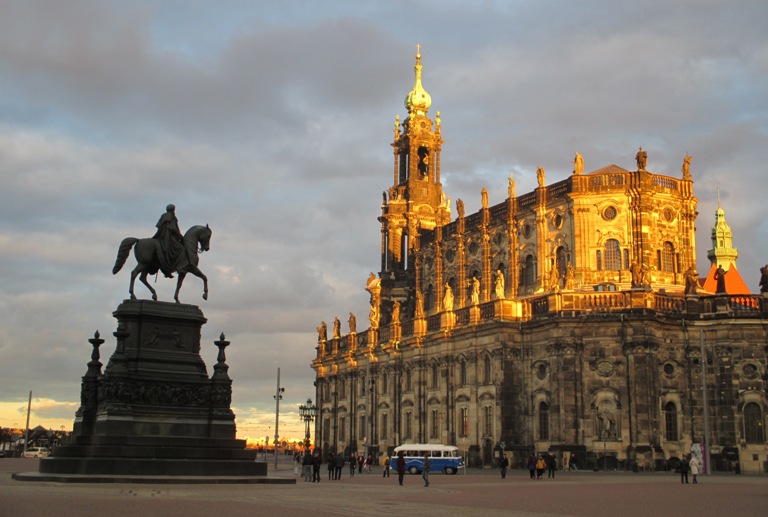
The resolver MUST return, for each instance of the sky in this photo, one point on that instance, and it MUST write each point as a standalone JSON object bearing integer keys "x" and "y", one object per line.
{"x": 272, "y": 121}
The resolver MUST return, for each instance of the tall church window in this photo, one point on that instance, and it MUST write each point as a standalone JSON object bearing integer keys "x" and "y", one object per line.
{"x": 667, "y": 258}
{"x": 408, "y": 425}
{"x": 487, "y": 370}
{"x": 408, "y": 381}
{"x": 462, "y": 373}
{"x": 612, "y": 255}
{"x": 599, "y": 260}
{"x": 384, "y": 383}
{"x": 429, "y": 298}
{"x": 342, "y": 428}
{"x": 435, "y": 376}
{"x": 488, "y": 420}
{"x": 528, "y": 273}
{"x": 327, "y": 428}
{"x": 543, "y": 421}
{"x": 464, "y": 423}
{"x": 342, "y": 389}
{"x": 384, "y": 424}
{"x": 670, "y": 422}
{"x": 753, "y": 424}
{"x": 435, "y": 427}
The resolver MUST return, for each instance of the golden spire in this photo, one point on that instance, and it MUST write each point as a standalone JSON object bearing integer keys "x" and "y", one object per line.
{"x": 418, "y": 101}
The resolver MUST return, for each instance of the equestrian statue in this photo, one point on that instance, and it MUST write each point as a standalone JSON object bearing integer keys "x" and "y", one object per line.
{"x": 168, "y": 252}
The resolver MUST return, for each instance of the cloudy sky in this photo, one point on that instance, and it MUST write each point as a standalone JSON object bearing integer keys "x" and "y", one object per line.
{"x": 271, "y": 121}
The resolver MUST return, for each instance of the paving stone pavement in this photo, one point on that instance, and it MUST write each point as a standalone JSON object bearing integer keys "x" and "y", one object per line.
{"x": 478, "y": 493}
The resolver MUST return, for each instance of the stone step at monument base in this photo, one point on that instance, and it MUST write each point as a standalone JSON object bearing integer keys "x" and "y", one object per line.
{"x": 154, "y": 480}
{"x": 119, "y": 466}
{"x": 154, "y": 456}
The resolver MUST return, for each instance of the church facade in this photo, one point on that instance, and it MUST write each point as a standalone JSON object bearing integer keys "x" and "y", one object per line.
{"x": 567, "y": 320}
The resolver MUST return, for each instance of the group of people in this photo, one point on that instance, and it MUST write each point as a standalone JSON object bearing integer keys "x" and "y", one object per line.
{"x": 311, "y": 464}
{"x": 689, "y": 464}
{"x": 538, "y": 464}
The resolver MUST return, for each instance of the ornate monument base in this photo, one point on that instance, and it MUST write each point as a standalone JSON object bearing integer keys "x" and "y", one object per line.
{"x": 154, "y": 411}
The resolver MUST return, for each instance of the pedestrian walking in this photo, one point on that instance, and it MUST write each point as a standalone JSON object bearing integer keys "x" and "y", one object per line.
{"x": 425, "y": 471}
{"x": 400, "y": 463}
{"x": 307, "y": 464}
{"x": 685, "y": 466}
{"x": 296, "y": 463}
{"x": 532, "y": 466}
{"x": 386, "y": 467}
{"x": 360, "y": 461}
{"x": 694, "y": 465}
{"x": 551, "y": 465}
{"x": 504, "y": 465}
{"x": 317, "y": 462}
{"x": 330, "y": 466}
{"x": 541, "y": 466}
{"x": 352, "y": 465}
{"x": 338, "y": 464}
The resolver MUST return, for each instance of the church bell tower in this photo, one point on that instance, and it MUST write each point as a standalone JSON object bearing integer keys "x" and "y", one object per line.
{"x": 415, "y": 201}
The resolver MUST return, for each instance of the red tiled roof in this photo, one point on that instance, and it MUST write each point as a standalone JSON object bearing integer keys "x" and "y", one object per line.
{"x": 734, "y": 284}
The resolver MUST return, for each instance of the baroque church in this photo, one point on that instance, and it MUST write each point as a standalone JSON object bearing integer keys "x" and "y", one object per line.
{"x": 569, "y": 320}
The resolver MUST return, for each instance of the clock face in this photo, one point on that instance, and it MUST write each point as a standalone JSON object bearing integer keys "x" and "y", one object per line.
{"x": 609, "y": 214}
{"x": 605, "y": 368}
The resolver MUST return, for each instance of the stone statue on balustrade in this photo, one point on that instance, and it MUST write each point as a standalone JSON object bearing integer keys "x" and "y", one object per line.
{"x": 764, "y": 279}
{"x": 322, "y": 332}
{"x": 691, "y": 280}
{"x": 419, "y": 311}
{"x": 475, "y": 296}
{"x": 448, "y": 298}
{"x": 499, "y": 285}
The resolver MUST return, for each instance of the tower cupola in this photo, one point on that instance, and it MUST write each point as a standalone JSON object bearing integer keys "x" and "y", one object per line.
{"x": 418, "y": 101}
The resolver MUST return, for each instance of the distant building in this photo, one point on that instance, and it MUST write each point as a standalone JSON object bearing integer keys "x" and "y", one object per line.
{"x": 554, "y": 321}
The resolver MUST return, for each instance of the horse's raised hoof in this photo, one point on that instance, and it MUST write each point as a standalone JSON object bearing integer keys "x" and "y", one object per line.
{"x": 154, "y": 296}
{"x": 133, "y": 296}
{"x": 205, "y": 296}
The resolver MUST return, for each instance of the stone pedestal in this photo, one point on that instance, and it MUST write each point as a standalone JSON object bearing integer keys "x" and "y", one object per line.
{"x": 154, "y": 411}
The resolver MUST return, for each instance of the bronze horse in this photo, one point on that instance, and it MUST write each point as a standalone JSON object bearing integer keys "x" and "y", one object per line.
{"x": 196, "y": 239}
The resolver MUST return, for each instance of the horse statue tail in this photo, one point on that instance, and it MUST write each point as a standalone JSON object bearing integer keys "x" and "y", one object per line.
{"x": 122, "y": 253}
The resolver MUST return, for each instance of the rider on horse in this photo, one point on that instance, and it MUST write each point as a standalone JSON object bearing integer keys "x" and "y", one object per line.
{"x": 170, "y": 241}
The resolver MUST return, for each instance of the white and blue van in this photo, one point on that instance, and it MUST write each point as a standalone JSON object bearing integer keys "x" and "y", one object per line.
{"x": 442, "y": 458}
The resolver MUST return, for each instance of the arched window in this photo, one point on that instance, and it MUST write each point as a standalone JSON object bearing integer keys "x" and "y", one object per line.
{"x": 487, "y": 370}
{"x": 667, "y": 258}
{"x": 528, "y": 273}
{"x": 429, "y": 298}
{"x": 612, "y": 255}
{"x": 462, "y": 373}
{"x": 670, "y": 422}
{"x": 543, "y": 421}
{"x": 753, "y": 423}
{"x": 408, "y": 383}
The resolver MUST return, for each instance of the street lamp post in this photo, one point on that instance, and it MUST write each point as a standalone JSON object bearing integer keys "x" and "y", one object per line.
{"x": 307, "y": 413}
{"x": 278, "y": 396}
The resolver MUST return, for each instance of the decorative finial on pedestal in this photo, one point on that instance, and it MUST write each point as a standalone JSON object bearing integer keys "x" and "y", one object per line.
{"x": 94, "y": 366}
{"x": 220, "y": 368}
